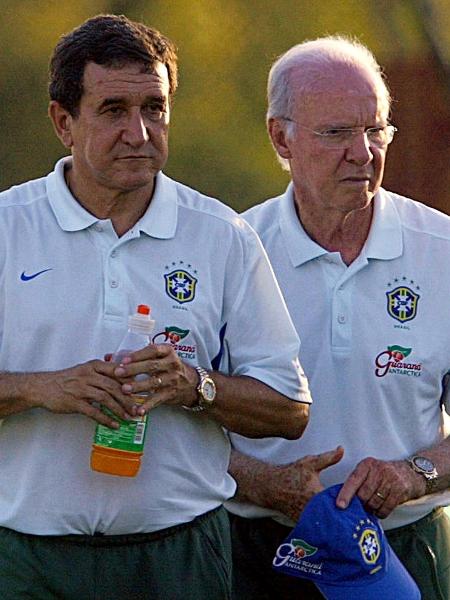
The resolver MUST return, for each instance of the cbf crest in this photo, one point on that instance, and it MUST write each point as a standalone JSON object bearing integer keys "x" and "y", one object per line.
{"x": 180, "y": 286}
{"x": 402, "y": 303}
{"x": 369, "y": 546}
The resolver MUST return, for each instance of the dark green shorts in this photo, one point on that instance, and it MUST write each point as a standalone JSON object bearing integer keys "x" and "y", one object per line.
{"x": 424, "y": 549}
{"x": 190, "y": 562}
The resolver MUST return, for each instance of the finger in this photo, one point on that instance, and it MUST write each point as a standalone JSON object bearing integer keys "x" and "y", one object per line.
{"x": 393, "y": 492}
{"x": 327, "y": 459}
{"x": 147, "y": 367}
{"x": 108, "y": 392}
{"x": 97, "y": 415}
{"x": 373, "y": 483}
{"x": 351, "y": 486}
{"x": 103, "y": 399}
{"x": 106, "y": 368}
{"x": 144, "y": 385}
{"x": 156, "y": 359}
{"x": 385, "y": 510}
{"x": 149, "y": 404}
{"x": 163, "y": 396}
{"x": 152, "y": 352}
{"x": 376, "y": 502}
{"x": 381, "y": 496}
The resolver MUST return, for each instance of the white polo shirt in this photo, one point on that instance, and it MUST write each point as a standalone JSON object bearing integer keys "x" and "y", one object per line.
{"x": 375, "y": 338}
{"x": 68, "y": 284}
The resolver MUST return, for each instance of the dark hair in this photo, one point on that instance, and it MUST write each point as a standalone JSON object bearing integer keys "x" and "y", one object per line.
{"x": 108, "y": 40}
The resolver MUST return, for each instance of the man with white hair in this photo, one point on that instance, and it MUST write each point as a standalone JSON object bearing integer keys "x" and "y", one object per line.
{"x": 357, "y": 266}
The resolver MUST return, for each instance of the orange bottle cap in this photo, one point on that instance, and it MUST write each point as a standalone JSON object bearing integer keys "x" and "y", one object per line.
{"x": 143, "y": 309}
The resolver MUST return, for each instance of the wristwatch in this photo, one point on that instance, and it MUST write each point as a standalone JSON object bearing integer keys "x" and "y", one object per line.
{"x": 426, "y": 468}
{"x": 206, "y": 391}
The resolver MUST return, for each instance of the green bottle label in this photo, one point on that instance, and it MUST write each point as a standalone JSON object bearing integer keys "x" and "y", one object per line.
{"x": 129, "y": 437}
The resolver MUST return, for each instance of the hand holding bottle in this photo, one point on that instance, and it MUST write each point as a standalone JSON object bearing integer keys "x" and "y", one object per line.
{"x": 170, "y": 381}
{"x": 81, "y": 389}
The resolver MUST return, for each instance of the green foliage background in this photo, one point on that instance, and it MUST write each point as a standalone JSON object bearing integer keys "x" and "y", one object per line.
{"x": 218, "y": 139}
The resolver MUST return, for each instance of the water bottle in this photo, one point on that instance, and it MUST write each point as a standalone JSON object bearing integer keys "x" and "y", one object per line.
{"x": 119, "y": 451}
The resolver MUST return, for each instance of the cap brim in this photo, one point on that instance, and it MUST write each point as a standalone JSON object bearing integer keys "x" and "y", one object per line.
{"x": 396, "y": 583}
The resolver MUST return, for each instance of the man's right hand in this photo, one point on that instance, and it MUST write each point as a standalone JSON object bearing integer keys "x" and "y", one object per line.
{"x": 81, "y": 389}
{"x": 286, "y": 488}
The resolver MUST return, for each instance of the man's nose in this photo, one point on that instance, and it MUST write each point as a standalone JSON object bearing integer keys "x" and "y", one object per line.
{"x": 360, "y": 150}
{"x": 136, "y": 132}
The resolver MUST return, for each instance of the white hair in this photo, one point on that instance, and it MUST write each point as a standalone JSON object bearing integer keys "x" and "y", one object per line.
{"x": 316, "y": 60}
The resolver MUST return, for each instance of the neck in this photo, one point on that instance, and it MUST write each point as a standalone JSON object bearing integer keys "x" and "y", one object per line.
{"x": 123, "y": 208}
{"x": 337, "y": 231}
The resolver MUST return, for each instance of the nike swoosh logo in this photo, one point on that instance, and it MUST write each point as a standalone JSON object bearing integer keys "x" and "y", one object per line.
{"x": 24, "y": 277}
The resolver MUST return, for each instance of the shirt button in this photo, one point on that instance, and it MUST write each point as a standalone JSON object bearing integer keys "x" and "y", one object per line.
{"x": 341, "y": 319}
{"x": 114, "y": 283}
{"x": 98, "y": 227}
{"x": 114, "y": 254}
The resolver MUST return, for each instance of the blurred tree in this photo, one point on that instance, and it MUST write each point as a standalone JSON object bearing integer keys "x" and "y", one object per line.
{"x": 218, "y": 139}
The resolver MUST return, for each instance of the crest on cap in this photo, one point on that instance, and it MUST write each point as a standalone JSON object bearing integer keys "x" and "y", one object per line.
{"x": 369, "y": 544}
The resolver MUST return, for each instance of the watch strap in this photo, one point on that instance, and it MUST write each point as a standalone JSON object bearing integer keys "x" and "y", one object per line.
{"x": 430, "y": 485}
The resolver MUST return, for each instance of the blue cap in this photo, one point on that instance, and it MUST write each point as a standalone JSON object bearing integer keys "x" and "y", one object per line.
{"x": 344, "y": 552}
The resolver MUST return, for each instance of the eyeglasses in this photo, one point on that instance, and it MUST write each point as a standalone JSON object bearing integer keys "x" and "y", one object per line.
{"x": 342, "y": 137}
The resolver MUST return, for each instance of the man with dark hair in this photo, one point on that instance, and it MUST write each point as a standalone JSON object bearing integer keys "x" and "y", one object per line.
{"x": 110, "y": 41}
{"x": 357, "y": 267}
{"x": 80, "y": 249}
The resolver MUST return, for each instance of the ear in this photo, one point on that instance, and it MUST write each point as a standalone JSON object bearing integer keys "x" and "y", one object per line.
{"x": 62, "y": 122}
{"x": 277, "y": 133}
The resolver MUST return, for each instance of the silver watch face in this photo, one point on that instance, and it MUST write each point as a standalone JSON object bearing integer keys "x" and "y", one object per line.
{"x": 423, "y": 464}
{"x": 208, "y": 390}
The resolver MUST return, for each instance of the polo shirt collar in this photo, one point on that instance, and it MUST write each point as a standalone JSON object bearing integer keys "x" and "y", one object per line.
{"x": 384, "y": 242}
{"x": 159, "y": 220}
{"x": 385, "y": 239}
{"x": 301, "y": 248}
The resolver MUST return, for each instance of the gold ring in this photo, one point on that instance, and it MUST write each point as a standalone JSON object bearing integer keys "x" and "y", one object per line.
{"x": 380, "y": 495}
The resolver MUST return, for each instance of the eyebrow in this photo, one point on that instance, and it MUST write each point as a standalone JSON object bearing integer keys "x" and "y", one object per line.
{"x": 121, "y": 100}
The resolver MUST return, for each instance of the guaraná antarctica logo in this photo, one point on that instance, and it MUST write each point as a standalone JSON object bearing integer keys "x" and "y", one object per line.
{"x": 180, "y": 284}
{"x": 295, "y": 555}
{"x": 402, "y": 301}
{"x": 392, "y": 361}
{"x": 173, "y": 335}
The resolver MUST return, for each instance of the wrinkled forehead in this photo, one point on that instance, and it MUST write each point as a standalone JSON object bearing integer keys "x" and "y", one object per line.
{"x": 130, "y": 78}
{"x": 343, "y": 84}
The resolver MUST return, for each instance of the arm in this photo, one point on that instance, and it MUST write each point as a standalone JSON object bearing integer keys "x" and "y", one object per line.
{"x": 396, "y": 481}
{"x": 243, "y": 404}
{"x": 249, "y": 407}
{"x": 78, "y": 389}
{"x": 285, "y": 488}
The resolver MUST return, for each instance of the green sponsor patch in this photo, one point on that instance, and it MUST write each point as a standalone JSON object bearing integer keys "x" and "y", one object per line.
{"x": 302, "y": 548}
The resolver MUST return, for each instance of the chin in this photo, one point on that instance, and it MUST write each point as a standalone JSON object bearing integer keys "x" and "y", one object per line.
{"x": 135, "y": 182}
{"x": 359, "y": 202}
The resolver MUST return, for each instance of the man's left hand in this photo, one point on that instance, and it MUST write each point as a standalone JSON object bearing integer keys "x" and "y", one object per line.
{"x": 381, "y": 485}
{"x": 169, "y": 381}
